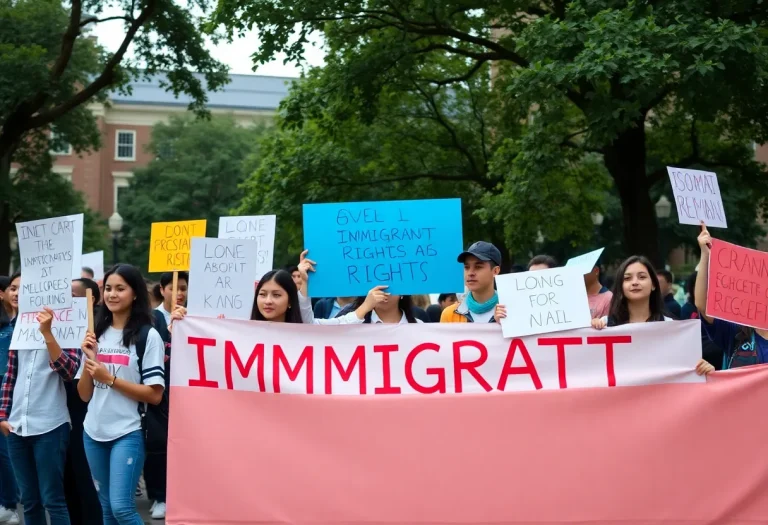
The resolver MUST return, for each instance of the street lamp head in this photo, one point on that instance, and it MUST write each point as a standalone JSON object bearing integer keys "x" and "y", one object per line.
{"x": 663, "y": 207}
{"x": 115, "y": 223}
{"x": 597, "y": 219}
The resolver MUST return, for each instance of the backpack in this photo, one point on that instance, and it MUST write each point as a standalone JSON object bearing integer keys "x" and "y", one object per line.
{"x": 154, "y": 418}
{"x": 744, "y": 353}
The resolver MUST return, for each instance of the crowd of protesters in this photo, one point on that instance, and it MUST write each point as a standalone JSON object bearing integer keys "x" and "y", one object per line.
{"x": 81, "y": 426}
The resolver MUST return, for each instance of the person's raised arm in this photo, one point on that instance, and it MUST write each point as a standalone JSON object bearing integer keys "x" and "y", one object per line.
{"x": 375, "y": 297}
{"x": 702, "y": 277}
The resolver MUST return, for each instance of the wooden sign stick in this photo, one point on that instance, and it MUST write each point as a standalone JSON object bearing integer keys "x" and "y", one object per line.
{"x": 89, "y": 298}
{"x": 174, "y": 293}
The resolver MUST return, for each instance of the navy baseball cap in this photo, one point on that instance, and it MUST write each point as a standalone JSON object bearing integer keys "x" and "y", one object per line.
{"x": 484, "y": 251}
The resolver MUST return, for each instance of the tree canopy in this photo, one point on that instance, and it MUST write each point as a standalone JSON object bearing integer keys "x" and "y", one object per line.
{"x": 596, "y": 90}
{"x": 195, "y": 174}
{"x": 52, "y": 69}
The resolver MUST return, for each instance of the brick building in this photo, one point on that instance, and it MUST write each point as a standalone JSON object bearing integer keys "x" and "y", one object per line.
{"x": 126, "y": 126}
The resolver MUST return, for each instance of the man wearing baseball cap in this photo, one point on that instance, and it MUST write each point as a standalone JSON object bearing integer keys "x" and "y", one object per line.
{"x": 482, "y": 263}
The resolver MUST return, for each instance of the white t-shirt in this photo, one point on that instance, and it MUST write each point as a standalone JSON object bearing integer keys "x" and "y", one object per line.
{"x": 111, "y": 414}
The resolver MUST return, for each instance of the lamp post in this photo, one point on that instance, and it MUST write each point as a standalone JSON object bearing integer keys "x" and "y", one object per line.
{"x": 115, "y": 226}
{"x": 663, "y": 211}
{"x": 14, "y": 246}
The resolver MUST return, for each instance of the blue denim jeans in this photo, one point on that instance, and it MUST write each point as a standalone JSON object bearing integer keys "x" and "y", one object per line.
{"x": 9, "y": 491}
{"x": 116, "y": 467}
{"x": 38, "y": 462}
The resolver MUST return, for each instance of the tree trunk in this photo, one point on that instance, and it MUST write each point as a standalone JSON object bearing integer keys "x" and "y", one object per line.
{"x": 625, "y": 161}
{"x": 6, "y": 221}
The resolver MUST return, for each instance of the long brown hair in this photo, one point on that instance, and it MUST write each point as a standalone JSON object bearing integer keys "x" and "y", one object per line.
{"x": 619, "y": 312}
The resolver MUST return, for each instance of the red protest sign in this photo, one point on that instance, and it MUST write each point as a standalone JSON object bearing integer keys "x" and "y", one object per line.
{"x": 738, "y": 284}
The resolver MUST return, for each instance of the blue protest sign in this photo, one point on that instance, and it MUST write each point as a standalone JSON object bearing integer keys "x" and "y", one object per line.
{"x": 411, "y": 246}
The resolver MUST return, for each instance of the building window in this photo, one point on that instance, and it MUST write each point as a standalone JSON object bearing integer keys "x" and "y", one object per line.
{"x": 125, "y": 145}
{"x": 120, "y": 182}
{"x": 66, "y": 150}
{"x": 64, "y": 171}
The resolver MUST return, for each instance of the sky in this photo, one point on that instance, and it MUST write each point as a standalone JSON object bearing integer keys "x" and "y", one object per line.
{"x": 237, "y": 55}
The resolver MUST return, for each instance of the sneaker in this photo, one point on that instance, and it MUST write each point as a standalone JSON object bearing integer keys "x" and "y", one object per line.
{"x": 6, "y": 515}
{"x": 152, "y": 508}
{"x": 14, "y": 519}
{"x": 138, "y": 492}
{"x": 158, "y": 511}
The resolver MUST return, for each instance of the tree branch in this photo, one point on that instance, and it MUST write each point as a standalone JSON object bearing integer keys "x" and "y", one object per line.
{"x": 95, "y": 20}
{"x": 466, "y": 76}
{"x": 102, "y": 81}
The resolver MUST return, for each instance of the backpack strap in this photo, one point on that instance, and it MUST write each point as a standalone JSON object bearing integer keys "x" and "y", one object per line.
{"x": 141, "y": 344}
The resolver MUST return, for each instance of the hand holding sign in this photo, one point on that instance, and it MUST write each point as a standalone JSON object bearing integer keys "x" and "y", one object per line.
{"x": 45, "y": 318}
{"x": 705, "y": 240}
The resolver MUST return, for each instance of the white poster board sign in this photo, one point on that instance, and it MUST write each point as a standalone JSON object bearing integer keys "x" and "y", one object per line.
{"x": 94, "y": 261}
{"x": 543, "y": 301}
{"x": 48, "y": 251}
{"x": 259, "y": 228}
{"x": 585, "y": 262}
{"x": 221, "y": 277}
{"x": 77, "y": 255}
{"x": 68, "y": 327}
{"x": 697, "y": 197}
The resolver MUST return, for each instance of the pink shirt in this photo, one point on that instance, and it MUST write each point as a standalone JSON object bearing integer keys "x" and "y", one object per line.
{"x": 600, "y": 304}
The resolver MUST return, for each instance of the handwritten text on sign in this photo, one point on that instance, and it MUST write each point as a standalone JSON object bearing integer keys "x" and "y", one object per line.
{"x": 409, "y": 245}
{"x": 697, "y": 197}
{"x": 47, "y": 248}
{"x": 543, "y": 301}
{"x": 258, "y": 228}
{"x": 738, "y": 284}
{"x": 221, "y": 277}
{"x": 426, "y": 358}
{"x": 68, "y": 328}
{"x": 170, "y": 245}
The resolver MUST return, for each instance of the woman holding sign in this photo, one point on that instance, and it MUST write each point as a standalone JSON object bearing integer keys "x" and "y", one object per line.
{"x": 124, "y": 366}
{"x": 363, "y": 308}
{"x": 637, "y": 299}
{"x": 741, "y": 345}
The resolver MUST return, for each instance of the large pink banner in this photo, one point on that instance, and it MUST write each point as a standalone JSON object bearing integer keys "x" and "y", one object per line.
{"x": 675, "y": 454}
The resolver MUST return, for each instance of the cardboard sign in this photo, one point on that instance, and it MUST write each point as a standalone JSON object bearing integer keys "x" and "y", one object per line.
{"x": 94, "y": 261}
{"x": 170, "y": 245}
{"x": 47, "y": 248}
{"x": 543, "y": 301}
{"x": 77, "y": 254}
{"x": 221, "y": 277}
{"x": 259, "y": 228}
{"x": 68, "y": 327}
{"x": 697, "y": 197}
{"x": 585, "y": 262}
{"x": 738, "y": 284}
{"x": 411, "y": 246}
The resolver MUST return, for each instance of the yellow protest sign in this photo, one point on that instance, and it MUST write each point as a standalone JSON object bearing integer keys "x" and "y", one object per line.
{"x": 170, "y": 245}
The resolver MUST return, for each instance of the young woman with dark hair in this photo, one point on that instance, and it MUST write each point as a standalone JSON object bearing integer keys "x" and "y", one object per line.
{"x": 637, "y": 299}
{"x": 636, "y": 294}
{"x": 113, "y": 384}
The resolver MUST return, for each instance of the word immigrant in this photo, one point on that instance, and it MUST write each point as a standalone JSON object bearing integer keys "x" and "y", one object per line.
{"x": 424, "y": 359}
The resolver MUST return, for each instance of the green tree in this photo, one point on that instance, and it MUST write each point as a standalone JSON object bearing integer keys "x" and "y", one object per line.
{"x": 52, "y": 68}
{"x": 594, "y": 78}
{"x": 195, "y": 174}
